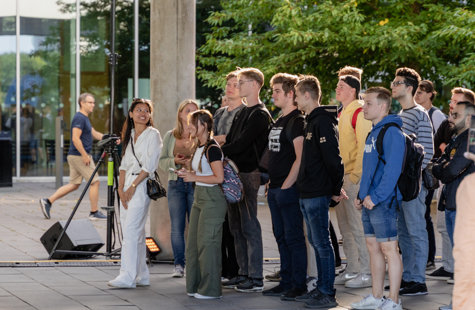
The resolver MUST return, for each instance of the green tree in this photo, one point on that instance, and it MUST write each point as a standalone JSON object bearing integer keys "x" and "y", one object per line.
{"x": 319, "y": 37}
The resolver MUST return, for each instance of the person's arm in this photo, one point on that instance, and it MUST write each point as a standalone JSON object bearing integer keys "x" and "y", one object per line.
{"x": 216, "y": 166}
{"x": 167, "y": 160}
{"x": 425, "y": 137}
{"x": 448, "y": 170}
{"x": 255, "y": 126}
{"x": 76, "y": 138}
{"x": 327, "y": 138}
{"x": 96, "y": 134}
{"x": 393, "y": 143}
{"x": 363, "y": 126}
{"x": 294, "y": 170}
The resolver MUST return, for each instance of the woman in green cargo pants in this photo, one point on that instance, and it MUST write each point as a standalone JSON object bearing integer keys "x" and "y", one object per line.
{"x": 203, "y": 248}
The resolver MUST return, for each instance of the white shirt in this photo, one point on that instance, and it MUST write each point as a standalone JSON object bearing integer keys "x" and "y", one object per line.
{"x": 205, "y": 166}
{"x": 147, "y": 149}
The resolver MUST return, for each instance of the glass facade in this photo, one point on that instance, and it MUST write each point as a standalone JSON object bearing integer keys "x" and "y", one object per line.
{"x": 39, "y": 59}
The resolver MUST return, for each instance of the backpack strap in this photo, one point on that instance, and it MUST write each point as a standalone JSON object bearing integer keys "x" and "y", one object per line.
{"x": 355, "y": 118}
{"x": 379, "y": 139}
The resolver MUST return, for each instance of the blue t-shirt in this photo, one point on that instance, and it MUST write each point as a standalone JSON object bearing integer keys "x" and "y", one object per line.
{"x": 82, "y": 122}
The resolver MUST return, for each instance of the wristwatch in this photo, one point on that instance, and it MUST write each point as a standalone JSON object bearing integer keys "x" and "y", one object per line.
{"x": 133, "y": 185}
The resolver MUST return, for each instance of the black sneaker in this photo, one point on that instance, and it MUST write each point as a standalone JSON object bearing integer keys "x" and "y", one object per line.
{"x": 440, "y": 274}
{"x": 275, "y": 291}
{"x": 274, "y": 277}
{"x": 430, "y": 265}
{"x": 322, "y": 301}
{"x": 45, "y": 206}
{"x": 404, "y": 284}
{"x": 292, "y": 294}
{"x": 232, "y": 283}
{"x": 250, "y": 285}
{"x": 308, "y": 296}
{"x": 415, "y": 289}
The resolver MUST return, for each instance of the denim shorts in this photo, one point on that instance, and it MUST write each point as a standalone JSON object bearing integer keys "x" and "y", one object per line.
{"x": 381, "y": 221}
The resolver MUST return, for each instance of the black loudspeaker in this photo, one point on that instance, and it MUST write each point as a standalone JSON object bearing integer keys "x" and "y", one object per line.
{"x": 81, "y": 235}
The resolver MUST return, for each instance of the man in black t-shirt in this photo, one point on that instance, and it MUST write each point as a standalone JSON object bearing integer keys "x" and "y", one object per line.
{"x": 80, "y": 160}
{"x": 285, "y": 152}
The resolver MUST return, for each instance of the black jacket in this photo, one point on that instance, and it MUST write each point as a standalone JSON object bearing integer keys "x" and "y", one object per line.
{"x": 452, "y": 167}
{"x": 321, "y": 171}
{"x": 248, "y": 137}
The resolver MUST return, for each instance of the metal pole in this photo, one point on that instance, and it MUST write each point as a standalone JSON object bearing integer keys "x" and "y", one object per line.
{"x": 136, "y": 48}
{"x": 113, "y": 63}
{"x": 18, "y": 90}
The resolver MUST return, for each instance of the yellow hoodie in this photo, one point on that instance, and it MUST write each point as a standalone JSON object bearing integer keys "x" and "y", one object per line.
{"x": 351, "y": 143}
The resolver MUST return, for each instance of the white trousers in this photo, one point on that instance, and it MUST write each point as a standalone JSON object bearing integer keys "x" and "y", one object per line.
{"x": 133, "y": 258}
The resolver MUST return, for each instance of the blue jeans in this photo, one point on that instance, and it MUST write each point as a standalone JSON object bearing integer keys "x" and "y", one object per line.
{"x": 450, "y": 224}
{"x": 315, "y": 213}
{"x": 180, "y": 200}
{"x": 413, "y": 239}
{"x": 287, "y": 225}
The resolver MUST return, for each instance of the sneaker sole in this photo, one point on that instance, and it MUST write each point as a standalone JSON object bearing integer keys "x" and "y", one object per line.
{"x": 250, "y": 290}
{"x": 414, "y": 294}
{"x": 177, "y": 276}
{"x": 43, "y": 209}
{"x": 357, "y": 285}
{"x": 327, "y": 306}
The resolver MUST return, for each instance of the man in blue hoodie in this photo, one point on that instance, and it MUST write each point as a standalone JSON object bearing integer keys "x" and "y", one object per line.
{"x": 379, "y": 197}
{"x": 319, "y": 180}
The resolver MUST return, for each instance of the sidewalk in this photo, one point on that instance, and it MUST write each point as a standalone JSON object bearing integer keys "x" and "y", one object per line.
{"x": 22, "y": 224}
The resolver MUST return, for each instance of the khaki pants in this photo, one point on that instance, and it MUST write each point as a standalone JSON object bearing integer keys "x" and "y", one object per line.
{"x": 351, "y": 228}
{"x": 203, "y": 248}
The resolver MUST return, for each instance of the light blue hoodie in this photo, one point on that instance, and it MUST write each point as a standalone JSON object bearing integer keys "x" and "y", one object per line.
{"x": 379, "y": 180}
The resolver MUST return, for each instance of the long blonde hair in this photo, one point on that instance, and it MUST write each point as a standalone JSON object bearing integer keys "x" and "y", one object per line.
{"x": 178, "y": 130}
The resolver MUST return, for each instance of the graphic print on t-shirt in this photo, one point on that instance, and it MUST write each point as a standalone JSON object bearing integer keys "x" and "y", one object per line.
{"x": 274, "y": 139}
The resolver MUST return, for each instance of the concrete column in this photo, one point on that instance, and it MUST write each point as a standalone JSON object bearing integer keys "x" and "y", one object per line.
{"x": 172, "y": 78}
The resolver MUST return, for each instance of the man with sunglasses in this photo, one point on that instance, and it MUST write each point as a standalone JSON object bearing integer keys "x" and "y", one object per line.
{"x": 79, "y": 158}
{"x": 413, "y": 240}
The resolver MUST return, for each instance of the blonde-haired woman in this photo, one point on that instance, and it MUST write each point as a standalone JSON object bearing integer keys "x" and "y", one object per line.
{"x": 203, "y": 251}
{"x": 141, "y": 148}
{"x": 178, "y": 146}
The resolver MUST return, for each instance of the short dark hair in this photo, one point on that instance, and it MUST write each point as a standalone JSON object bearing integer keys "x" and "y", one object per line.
{"x": 310, "y": 84}
{"x": 469, "y": 107}
{"x": 349, "y": 70}
{"x": 468, "y": 94}
{"x": 411, "y": 77}
{"x": 384, "y": 95}
{"x": 288, "y": 82}
{"x": 83, "y": 97}
{"x": 428, "y": 87}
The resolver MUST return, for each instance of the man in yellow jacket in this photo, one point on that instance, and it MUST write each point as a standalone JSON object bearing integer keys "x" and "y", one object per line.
{"x": 353, "y": 130}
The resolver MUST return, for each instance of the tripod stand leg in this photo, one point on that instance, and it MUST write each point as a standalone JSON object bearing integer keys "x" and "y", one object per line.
{"x": 61, "y": 235}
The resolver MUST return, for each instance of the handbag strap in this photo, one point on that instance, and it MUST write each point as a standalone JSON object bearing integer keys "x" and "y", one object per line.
{"x": 133, "y": 152}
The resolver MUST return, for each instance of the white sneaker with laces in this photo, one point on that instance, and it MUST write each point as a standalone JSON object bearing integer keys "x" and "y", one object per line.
{"x": 368, "y": 302}
{"x": 345, "y": 276}
{"x": 390, "y": 305}
{"x": 362, "y": 280}
{"x": 199, "y": 296}
{"x": 178, "y": 271}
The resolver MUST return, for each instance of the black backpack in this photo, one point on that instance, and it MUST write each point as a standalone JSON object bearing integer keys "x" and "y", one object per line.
{"x": 409, "y": 181}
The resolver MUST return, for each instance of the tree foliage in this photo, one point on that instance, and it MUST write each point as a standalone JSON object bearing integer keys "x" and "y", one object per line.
{"x": 319, "y": 37}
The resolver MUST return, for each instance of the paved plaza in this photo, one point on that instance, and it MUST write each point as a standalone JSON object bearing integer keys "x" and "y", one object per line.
{"x": 84, "y": 285}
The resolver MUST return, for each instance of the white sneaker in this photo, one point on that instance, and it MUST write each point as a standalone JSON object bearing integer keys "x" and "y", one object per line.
{"x": 362, "y": 280}
{"x": 447, "y": 307}
{"x": 178, "y": 271}
{"x": 345, "y": 276}
{"x": 116, "y": 283}
{"x": 369, "y": 302}
{"x": 390, "y": 305}
{"x": 199, "y": 296}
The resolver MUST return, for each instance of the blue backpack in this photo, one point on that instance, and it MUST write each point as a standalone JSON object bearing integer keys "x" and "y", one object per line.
{"x": 232, "y": 184}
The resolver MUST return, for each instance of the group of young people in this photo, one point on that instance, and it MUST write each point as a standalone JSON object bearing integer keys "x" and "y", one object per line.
{"x": 316, "y": 157}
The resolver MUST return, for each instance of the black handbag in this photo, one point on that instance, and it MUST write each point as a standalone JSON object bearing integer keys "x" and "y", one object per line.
{"x": 155, "y": 188}
{"x": 429, "y": 180}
